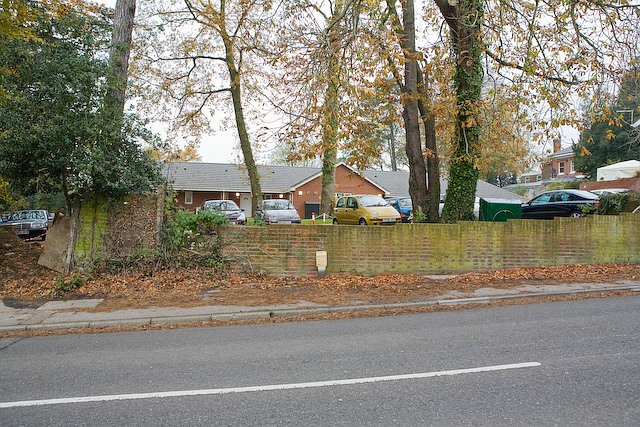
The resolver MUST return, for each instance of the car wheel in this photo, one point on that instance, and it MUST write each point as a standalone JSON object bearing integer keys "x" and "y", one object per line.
{"x": 335, "y": 221}
{"x": 362, "y": 221}
{"x": 575, "y": 214}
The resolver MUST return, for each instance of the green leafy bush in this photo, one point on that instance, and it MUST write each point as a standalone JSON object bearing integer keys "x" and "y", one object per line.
{"x": 68, "y": 285}
{"x": 196, "y": 239}
{"x": 614, "y": 203}
{"x": 251, "y": 221}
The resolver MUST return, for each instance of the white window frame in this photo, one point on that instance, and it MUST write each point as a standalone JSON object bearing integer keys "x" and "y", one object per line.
{"x": 560, "y": 168}
{"x": 188, "y": 197}
{"x": 571, "y": 168}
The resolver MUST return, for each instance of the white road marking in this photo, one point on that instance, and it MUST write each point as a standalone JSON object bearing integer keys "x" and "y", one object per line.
{"x": 213, "y": 391}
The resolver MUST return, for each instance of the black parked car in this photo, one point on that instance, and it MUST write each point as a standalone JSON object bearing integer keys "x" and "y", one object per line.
{"x": 567, "y": 203}
{"x": 30, "y": 223}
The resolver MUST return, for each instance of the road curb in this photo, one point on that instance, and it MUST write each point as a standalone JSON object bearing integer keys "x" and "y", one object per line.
{"x": 294, "y": 312}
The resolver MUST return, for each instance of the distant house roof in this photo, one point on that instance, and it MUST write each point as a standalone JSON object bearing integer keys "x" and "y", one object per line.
{"x": 361, "y": 174}
{"x": 565, "y": 152}
{"x": 198, "y": 176}
{"x": 397, "y": 183}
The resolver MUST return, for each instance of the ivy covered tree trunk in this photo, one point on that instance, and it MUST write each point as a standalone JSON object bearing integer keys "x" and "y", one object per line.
{"x": 330, "y": 132}
{"x": 465, "y": 19}
{"x": 329, "y": 160}
{"x": 330, "y": 109}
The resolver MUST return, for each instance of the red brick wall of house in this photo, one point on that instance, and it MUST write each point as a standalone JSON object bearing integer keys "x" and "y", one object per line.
{"x": 555, "y": 164}
{"x": 200, "y": 197}
{"x": 630, "y": 183}
{"x": 346, "y": 182}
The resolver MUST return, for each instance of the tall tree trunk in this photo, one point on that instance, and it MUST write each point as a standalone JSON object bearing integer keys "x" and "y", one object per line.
{"x": 432, "y": 203}
{"x": 74, "y": 223}
{"x": 241, "y": 125}
{"x": 125, "y": 11}
{"x": 465, "y": 19}
{"x": 329, "y": 160}
{"x": 330, "y": 110}
{"x": 410, "y": 116}
{"x": 245, "y": 143}
{"x": 330, "y": 136}
{"x": 73, "y": 209}
{"x": 113, "y": 111}
{"x": 392, "y": 147}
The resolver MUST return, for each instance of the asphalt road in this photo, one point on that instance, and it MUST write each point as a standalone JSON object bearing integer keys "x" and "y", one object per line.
{"x": 563, "y": 363}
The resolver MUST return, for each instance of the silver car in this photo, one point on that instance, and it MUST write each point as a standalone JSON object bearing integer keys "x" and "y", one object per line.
{"x": 229, "y": 208}
{"x": 278, "y": 211}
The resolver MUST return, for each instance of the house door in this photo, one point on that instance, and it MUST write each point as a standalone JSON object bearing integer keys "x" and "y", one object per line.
{"x": 311, "y": 207}
{"x": 245, "y": 203}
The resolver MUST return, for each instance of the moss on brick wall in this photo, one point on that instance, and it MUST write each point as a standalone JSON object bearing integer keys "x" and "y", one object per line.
{"x": 290, "y": 250}
{"x": 116, "y": 230}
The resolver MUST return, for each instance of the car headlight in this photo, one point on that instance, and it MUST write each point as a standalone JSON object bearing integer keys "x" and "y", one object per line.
{"x": 374, "y": 213}
{"x": 40, "y": 226}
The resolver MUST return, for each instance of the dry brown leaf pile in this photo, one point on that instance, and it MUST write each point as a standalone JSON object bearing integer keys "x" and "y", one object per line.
{"x": 21, "y": 278}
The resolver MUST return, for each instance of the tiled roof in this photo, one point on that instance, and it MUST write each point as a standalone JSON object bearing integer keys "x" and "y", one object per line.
{"x": 397, "y": 184}
{"x": 197, "y": 176}
{"x": 565, "y": 152}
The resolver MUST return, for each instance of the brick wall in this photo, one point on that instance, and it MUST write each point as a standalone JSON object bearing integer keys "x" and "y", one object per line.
{"x": 630, "y": 183}
{"x": 116, "y": 230}
{"x": 290, "y": 250}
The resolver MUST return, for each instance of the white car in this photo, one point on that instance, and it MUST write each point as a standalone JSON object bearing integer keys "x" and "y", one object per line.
{"x": 279, "y": 211}
{"x": 602, "y": 191}
{"x": 476, "y": 206}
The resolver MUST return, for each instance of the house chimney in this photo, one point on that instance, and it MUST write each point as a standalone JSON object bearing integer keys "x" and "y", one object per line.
{"x": 556, "y": 145}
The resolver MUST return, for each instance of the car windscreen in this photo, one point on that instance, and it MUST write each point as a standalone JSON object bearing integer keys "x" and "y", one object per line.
{"x": 27, "y": 215}
{"x": 369, "y": 201}
{"x": 405, "y": 203}
{"x": 277, "y": 205}
{"x": 230, "y": 205}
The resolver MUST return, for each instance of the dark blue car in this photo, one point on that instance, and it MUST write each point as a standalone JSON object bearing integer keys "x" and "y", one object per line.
{"x": 402, "y": 205}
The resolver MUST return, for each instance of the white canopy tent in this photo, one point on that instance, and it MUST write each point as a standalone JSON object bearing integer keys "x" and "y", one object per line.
{"x": 628, "y": 169}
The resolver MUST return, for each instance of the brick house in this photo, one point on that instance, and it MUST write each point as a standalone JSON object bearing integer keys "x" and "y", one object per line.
{"x": 560, "y": 163}
{"x": 558, "y": 166}
{"x": 195, "y": 182}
